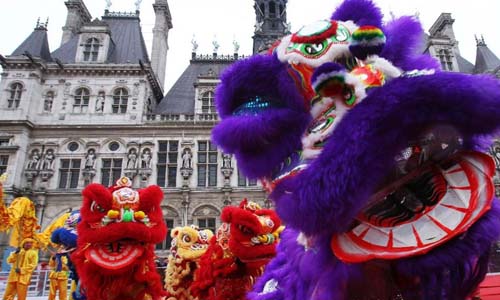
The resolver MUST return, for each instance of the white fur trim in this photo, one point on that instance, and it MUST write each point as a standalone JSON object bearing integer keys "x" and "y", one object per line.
{"x": 383, "y": 65}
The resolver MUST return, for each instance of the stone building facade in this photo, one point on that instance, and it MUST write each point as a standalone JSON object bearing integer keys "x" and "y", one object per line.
{"x": 94, "y": 109}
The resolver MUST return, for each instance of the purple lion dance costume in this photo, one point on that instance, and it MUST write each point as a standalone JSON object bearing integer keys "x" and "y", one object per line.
{"x": 373, "y": 158}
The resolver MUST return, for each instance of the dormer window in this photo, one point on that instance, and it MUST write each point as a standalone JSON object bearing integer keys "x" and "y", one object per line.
{"x": 15, "y": 92}
{"x": 91, "y": 49}
{"x": 207, "y": 102}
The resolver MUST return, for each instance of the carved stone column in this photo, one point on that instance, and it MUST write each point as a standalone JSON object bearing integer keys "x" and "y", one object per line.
{"x": 185, "y": 205}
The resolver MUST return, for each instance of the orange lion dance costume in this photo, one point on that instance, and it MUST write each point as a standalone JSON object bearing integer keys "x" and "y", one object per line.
{"x": 116, "y": 236}
{"x": 237, "y": 255}
{"x": 189, "y": 243}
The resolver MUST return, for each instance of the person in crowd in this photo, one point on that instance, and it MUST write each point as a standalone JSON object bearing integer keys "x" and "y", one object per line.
{"x": 24, "y": 260}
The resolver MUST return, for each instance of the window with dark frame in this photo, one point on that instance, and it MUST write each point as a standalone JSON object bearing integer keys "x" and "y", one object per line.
{"x": 243, "y": 181}
{"x": 272, "y": 9}
{"x": 208, "y": 102}
{"x": 4, "y": 141}
{"x": 120, "y": 101}
{"x": 91, "y": 50}
{"x": 111, "y": 170}
{"x": 15, "y": 93}
{"x": 168, "y": 153}
{"x": 81, "y": 101}
{"x": 69, "y": 173}
{"x": 207, "y": 223}
{"x": 4, "y": 162}
{"x": 207, "y": 164}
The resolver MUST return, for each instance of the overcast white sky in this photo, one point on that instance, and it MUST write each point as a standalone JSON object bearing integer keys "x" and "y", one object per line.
{"x": 235, "y": 19}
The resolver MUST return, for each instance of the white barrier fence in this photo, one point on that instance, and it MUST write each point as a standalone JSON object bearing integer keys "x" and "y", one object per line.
{"x": 39, "y": 285}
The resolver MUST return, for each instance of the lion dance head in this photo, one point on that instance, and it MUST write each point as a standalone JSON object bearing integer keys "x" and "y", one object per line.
{"x": 116, "y": 236}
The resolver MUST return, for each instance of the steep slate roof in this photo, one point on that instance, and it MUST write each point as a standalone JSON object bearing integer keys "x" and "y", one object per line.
{"x": 127, "y": 46}
{"x": 180, "y": 99}
{"x": 464, "y": 65}
{"x": 129, "y": 42}
{"x": 36, "y": 44}
{"x": 486, "y": 61}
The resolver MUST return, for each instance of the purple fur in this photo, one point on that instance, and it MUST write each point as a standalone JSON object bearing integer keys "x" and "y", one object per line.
{"x": 361, "y": 12}
{"x": 332, "y": 191}
{"x": 326, "y": 68}
{"x": 376, "y": 131}
{"x": 404, "y": 44}
{"x": 326, "y": 197}
{"x": 263, "y": 141}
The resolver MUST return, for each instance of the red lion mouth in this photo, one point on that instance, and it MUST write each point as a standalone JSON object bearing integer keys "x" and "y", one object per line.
{"x": 115, "y": 255}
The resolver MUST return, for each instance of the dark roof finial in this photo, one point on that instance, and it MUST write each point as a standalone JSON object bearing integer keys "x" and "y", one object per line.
{"x": 37, "y": 23}
{"x": 480, "y": 42}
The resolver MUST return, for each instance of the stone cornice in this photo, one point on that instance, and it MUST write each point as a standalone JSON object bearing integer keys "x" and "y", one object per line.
{"x": 23, "y": 123}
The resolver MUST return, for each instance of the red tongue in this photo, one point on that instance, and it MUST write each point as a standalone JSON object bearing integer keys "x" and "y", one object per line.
{"x": 114, "y": 256}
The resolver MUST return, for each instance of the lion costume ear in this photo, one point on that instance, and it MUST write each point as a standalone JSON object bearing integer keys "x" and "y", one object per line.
{"x": 152, "y": 196}
{"x": 175, "y": 232}
{"x": 96, "y": 193}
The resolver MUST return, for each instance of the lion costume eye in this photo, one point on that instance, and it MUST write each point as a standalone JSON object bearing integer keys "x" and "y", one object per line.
{"x": 186, "y": 238}
{"x": 313, "y": 49}
{"x": 96, "y": 207}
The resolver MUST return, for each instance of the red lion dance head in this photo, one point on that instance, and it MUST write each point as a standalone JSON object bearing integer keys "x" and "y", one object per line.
{"x": 116, "y": 236}
{"x": 245, "y": 242}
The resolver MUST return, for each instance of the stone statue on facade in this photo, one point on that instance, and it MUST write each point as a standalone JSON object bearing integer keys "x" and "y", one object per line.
{"x": 99, "y": 103}
{"x": 186, "y": 158}
{"x": 34, "y": 162}
{"x": 215, "y": 44}
{"x": 236, "y": 46}
{"x": 195, "y": 44}
{"x": 138, "y": 5}
{"x": 146, "y": 159}
{"x": 226, "y": 161}
{"x": 48, "y": 160}
{"x": 90, "y": 159}
{"x": 132, "y": 159}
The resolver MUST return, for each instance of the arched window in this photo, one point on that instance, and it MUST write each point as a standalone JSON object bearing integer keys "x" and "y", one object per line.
{"x": 262, "y": 9}
{"x": 91, "y": 49}
{"x": 82, "y": 97}
{"x": 120, "y": 100}
{"x": 207, "y": 102}
{"x": 15, "y": 92}
{"x": 272, "y": 9}
{"x": 48, "y": 101}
